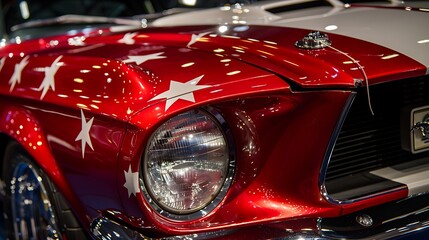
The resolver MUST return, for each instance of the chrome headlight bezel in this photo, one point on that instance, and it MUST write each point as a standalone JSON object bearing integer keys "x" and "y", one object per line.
{"x": 220, "y": 194}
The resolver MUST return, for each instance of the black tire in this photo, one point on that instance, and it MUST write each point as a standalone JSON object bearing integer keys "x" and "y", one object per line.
{"x": 34, "y": 208}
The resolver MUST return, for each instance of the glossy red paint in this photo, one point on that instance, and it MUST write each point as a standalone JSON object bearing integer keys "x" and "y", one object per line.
{"x": 22, "y": 124}
{"x": 77, "y": 85}
{"x": 254, "y": 78}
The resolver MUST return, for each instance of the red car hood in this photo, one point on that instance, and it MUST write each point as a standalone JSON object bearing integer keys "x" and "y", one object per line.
{"x": 146, "y": 62}
{"x": 270, "y": 48}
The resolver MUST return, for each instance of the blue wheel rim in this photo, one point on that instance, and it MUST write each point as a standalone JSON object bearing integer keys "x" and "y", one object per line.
{"x": 32, "y": 211}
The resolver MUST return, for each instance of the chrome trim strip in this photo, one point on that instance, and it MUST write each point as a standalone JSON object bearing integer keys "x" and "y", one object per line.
{"x": 331, "y": 146}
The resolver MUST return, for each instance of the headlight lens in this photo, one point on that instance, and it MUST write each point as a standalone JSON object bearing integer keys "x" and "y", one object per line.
{"x": 186, "y": 162}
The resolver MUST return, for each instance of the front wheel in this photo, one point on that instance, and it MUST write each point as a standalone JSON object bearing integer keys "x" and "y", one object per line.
{"x": 30, "y": 203}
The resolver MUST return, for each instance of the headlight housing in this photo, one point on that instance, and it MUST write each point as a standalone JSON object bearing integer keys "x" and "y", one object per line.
{"x": 188, "y": 164}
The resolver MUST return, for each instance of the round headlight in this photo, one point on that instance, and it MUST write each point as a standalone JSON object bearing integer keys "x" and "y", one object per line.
{"x": 186, "y": 163}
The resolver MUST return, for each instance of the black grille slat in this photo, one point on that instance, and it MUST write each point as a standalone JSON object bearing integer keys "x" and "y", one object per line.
{"x": 357, "y": 139}
{"x": 355, "y": 154}
{"x": 368, "y": 142}
{"x": 365, "y": 140}
{"x": 361, "y": 163}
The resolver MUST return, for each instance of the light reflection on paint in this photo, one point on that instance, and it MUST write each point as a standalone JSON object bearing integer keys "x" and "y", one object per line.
{"x": 78, "y": 80}
{"x": 188, "y": 64}
{"x": 291, "y": 63}
{"x": 219, "y": 50}
{"x": 54, "y": 43}
{"x": 239, "y": 22}
{"x": 390, "y": 56}
{"x": 270, "y": 46}
{"x": 227, "y": 36}
{"x": 233, "y": 73}
{"x": 223, "y": 29}
{"x": 254, "y": 40}
{"x": 216, "y": 91}
{"x": 265, "y": 53}
{"x": 239, "y": 48}
{"x": 22, "y": 127}
{"x": 259, "y": 86}
{"x": 81, "y": 105}
{"x": 331, "y": 27}
{"x": 269, "y": 42}
{"x": 18, "y": 40}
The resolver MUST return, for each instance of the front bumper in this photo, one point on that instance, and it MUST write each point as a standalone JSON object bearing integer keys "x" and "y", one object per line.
{"x": 402, "y": 219}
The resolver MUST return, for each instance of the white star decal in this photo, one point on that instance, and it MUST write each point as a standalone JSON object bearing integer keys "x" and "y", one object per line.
{"x": 16, "y": 77}
{"x": 132, "y": 182}
{"x": 143, "y": 58}
{"x": 196, "y": 37}
{"x": 84, "y": 133}
{"x": 2, "y": 61}
{"x": 49, "y": 81}
{"x": 128, "y": 38}
{"x": 180, "y": 90}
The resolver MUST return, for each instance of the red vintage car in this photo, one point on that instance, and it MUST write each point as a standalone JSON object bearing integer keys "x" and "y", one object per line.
{"x": 299, "y": 119}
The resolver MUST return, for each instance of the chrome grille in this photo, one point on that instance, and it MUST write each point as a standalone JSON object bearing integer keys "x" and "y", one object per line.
{"x": 367, "y": 142}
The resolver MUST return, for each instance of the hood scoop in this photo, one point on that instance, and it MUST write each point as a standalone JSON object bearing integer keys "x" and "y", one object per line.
{"x": 289, "y": 7}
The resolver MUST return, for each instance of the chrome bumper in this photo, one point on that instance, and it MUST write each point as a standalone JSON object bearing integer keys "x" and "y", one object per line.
{"x": 105, "y": 229}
